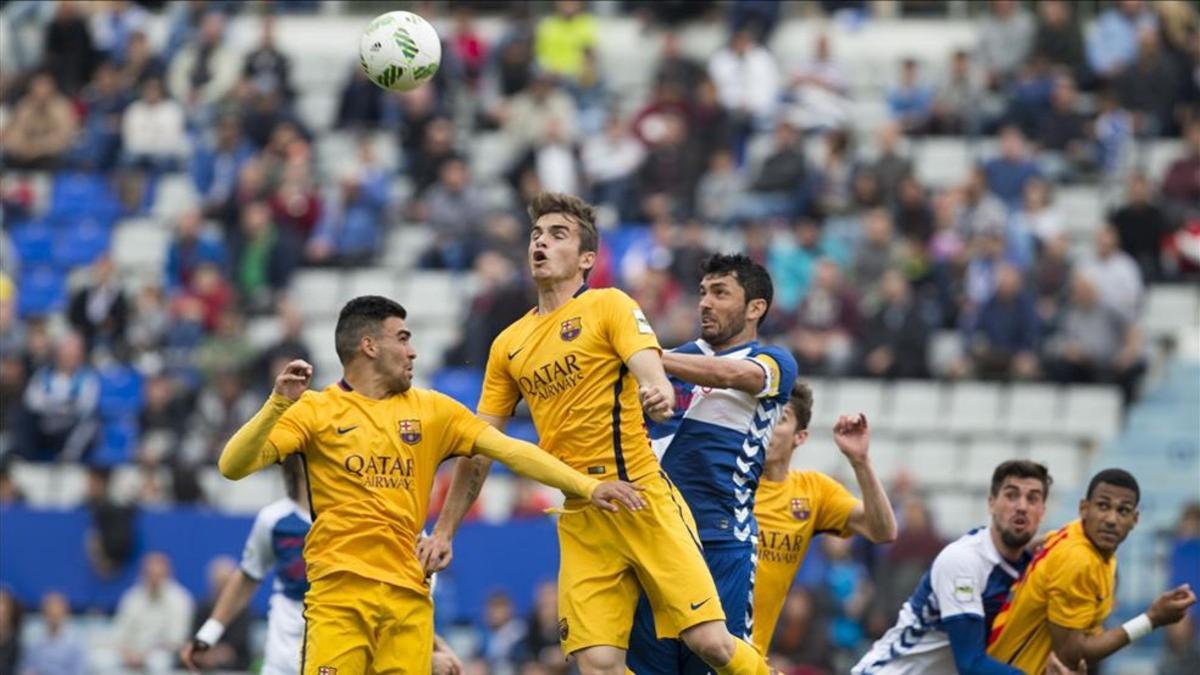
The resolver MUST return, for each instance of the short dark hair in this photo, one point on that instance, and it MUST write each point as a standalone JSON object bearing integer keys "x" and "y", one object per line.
{"x": 752, "y": 277}
{"x": 1117, "y": 477}
{"x": 583, "y": 213}
{"x": 1021, "y": 468}
{"x": 360, "y": 315}
{"x": 801, "y": 401}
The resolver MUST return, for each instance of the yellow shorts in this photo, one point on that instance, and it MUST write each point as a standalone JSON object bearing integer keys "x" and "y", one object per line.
{"x": 358, "y": 625}
{"x": 608, "y": 559}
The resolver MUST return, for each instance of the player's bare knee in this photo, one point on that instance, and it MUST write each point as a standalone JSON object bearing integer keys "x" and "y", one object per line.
{"x": 710, "y": 641}
{"x": 601, "y": 661}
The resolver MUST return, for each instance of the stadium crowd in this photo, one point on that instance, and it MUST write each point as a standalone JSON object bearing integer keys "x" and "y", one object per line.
{"x": 868, "y": 262}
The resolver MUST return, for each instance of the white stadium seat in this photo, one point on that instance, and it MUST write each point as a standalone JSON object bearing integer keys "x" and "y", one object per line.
{"x": 1066, "y": 462}
{"x": 917, "y": 406}
{"x": 975, "y": 407}
{"x": 935, "y": 461}
{"x": 1034, "y": 410}
{"x": 1093, "y": 412}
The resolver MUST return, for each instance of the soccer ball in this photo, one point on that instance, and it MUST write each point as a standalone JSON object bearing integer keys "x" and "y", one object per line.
{"x": 399, "y": 51}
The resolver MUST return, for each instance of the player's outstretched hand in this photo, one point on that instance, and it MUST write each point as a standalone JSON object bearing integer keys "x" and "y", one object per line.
{"x": 853, "y": 436}
{"x": 191, "y": 649}
{"x": 1171, "y": 606}
{"x": 446, "y": 663}
{"x": 1056, "y": 667}
{"x": 655, "y": 403}
{"x": 619, "y": 491}
{"x": 294, "y": 379}
{"x": 435, "y": 553}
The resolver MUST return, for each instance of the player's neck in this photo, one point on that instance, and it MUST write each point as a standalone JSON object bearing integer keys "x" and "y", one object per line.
{"x": 366, "y": 383}
{"x": 776, "y": 470}
{"x": 555, "y": 293}
{"x": 747, "y": 334}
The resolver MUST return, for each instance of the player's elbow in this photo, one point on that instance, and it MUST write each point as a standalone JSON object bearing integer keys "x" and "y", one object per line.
{"x": 884, "y": 534}
{"x": 229, "y": 468}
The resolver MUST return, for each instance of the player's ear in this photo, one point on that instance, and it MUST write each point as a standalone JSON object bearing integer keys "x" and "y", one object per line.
{"x": 756, "y": 308}
{"x": 587, "y": 260}
{"x": 367, "y": 344}
{"x": 800, "y": 437}
{"x": 1083, "y": 503}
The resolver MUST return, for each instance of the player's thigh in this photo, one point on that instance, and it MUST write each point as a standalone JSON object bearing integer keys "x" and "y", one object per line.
{"x": 404, "y": 636}
{"x": 670, "y": 564}
{"x": 597, "y": 587}
{"x": 337, "y": 636}
{"x": 648, "y": 654}
{"x": 282, "y": 654}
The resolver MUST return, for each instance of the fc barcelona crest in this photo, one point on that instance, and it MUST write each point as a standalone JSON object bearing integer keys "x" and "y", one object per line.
{"x": 410, "y": 431}
{"x": 570, "y": 329}
{"x": 326, "y": 670}
{"x": 800, "y": 508}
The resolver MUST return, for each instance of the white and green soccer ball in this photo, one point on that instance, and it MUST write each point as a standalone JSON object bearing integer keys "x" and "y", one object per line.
{"x": 400, "y": 51}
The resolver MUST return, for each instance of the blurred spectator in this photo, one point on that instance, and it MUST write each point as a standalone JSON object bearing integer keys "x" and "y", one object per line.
{"x": 152, "y": 132}
{"x": 554, "y": 160}
{"x": 227, "y": 349}
{"x": 267, "y": 68}
{"x": 910, "y": 100}
{"x": 215, "y": 165}
{"x": 1149, "y": 86}
{"x": 1094, "y": 343}
{"x": 980, "y": 209}
{"x": 1007, "y": 174}
{"x": 454, "y": 208}
{"x": 802, "y": 636}
{"x": 1063, "y": 132}
{"x": 1059, "y": 37}
{"x": 675, "y": 66}
{"x": 542, "y": 642}
{"x": 150, "y": 319}
{"x": 105, "y": 101}
{"x": 99, "y": 310}
{"x": 1052, "y": 277}
{"x": 13, "y": 334}
{"x": 1038, "y": 215}
{"x": 61, "y": 401}
{"x": 141, "y": 63}
{"x": 1112, "y": 44}
{"x": 57, "y": 651}
{"x": 500, "y": 300}
{"x": 191, "y": 247}
{"x": 820, "y": 89}
{"x": 1181, "y": 650}
{"x": 209, "y": 291}
{"x": 222, "y": 407}
{"x": 778, "y": 187}
{"x": 958, "y": 100}
{"x": 41, "y": 127}
{"x": 979, "y": 279}
{"x": 667, "y": 98}
{"x": 161, "y": 421}
{"x": 467, "y": 45}
{"x": 1003, "y": 340}
{"x": 719, "y": 189}
{"x": 290, "y": 345}
{"x": 10, "y": 495}
{"x": 203, "y": 72}
{"x": 592, "y": 96}
{"x": 428, "y": 139}
{"x": 263, "y": 113}
{"x": 153, "y": 617}
{"x": 708, "y": 114}
{"x": 1116, "y": 275}
{"x": 837, "y": 169}
{"x": 1141, "y": 226}
{"x": 671, "y": 168}
{"x": 609, "y": 161}
{"x": 10, "y": 630}
{"x": 913, "y": 215}
{"x": 361, "y": 103}
{"x": 747, "y": 81}
{"x": 232, "y": 651}
{"x": 846, "y": 593}
{"x": 827, "y": 323}
{"x": 296, "y": 204}
{"x": 264, "y": 258}
{"x": 69, "y": 41}
{"x": 113, "y": 24}
{"x": 1114, "y": 132}
{"x": 531, "y": 113}
{"x": 504, "y": 634}
{"x": 1185, "y": 554}
{"x": 1181, "y": 185}
{"x": 895, "y": 336}
{"x": 891, "y": 167}
{"x": 792, "y": 261}
{"x": 1005, "y": 39}
{"x": 875, "y": 253}
{"x": 688, "y": 252}
{"x": 563, "y": 39}
{"x": 908, "y": 559}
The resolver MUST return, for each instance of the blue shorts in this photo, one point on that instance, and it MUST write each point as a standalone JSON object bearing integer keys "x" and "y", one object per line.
{"x": 732, "y": 568}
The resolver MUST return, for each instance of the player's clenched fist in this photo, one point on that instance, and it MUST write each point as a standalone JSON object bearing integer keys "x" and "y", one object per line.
{"x": 852, "y": 436}
{"x": 618, "y": 490}
{"x": 294, "y": 379}
{"x": 1056, "y": 667}
{"x": 655, "y": 403}
{"x": 1171, "y": 606}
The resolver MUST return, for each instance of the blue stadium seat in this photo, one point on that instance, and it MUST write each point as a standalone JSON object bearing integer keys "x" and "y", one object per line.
{"x": 118, "y": 442}
{"x": 120, "y": 392}
{"x": 80, "y": 243}
{"x": 42, "y": 290}
{"x": 460, "y": 384}
{"x": 34, "y": 242}
{"x": 81, "y": 193}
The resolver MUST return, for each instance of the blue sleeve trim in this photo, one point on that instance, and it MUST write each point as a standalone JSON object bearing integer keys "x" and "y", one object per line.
{"x": 968, "y": 641}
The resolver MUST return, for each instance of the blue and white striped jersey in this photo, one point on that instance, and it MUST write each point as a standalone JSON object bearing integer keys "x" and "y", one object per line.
{"x": 969, "y": 577}
{"x": 714, "y": 446}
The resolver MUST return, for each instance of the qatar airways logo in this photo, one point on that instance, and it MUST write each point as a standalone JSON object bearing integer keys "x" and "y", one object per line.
{"x": 381, "y": 471}
{"x": 551, "y": 379}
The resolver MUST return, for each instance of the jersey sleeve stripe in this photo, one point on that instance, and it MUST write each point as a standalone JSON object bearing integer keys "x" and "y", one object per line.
{"x": 616, "y": 424}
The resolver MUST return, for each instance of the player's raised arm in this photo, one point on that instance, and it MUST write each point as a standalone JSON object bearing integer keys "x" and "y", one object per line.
{"x": 250, "y": 449}
{"x": 873, "y": 518}
{"x": 716, "y": 372}
{"x": 654, "y": 389}
{"x": 1072, "y": 644}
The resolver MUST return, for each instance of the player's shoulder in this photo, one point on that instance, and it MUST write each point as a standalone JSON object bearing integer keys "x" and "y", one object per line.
{"x": 782, "y": 356}
{"x": 967, "y": 552}
{"x": 603, "y": 299}
{"x": 276, "y": 511}
{"x": 513, "y": 328}
{"x": 689, "y": 347}
{"x": 810, "y": 483}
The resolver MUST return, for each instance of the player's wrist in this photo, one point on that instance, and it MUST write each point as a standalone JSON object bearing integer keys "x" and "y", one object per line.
{"x": 1139, "y": 626}
{"x": 210, "y": 633}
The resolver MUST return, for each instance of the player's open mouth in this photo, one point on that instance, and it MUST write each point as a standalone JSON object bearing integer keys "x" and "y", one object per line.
{"x": 538, "y": 257}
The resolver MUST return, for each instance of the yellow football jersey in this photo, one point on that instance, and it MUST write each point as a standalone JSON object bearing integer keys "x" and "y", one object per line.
{"x": 790, "y": 514}
{"x": 1070, "y": 583}
{"x": 569, "y": 366}
{"x": 370, "y": 469}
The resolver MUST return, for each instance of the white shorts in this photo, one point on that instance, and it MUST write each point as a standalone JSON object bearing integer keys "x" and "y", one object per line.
{"x": 285, "y": 637}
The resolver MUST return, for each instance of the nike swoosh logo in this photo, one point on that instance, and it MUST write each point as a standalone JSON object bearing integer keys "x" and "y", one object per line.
{"x": 513, "y": 355}
{"x": 346, "y": 430}
{"x": 698, "y": 605}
